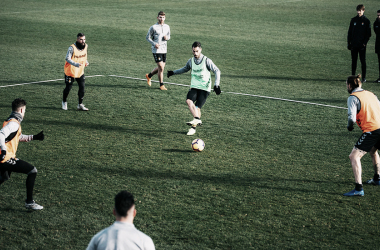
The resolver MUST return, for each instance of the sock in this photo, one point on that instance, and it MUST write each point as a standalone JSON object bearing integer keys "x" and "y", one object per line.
{"x": 358, "y": 187}
{"x": 150, "y": 75}
{"x": 197, "y": 118}
{"x": 376, "y": 177}
{"x": 161, "y": 83}
{"x": 194, "y": 127}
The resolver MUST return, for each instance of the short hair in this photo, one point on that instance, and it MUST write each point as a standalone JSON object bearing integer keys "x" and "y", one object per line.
{"x": 354, "y": 81}
{"x": 123, "y": 202}
{"x": 80, "y": 35}
{"x": 18, "y": 103}
{"x": 360, "y": 7}
{"x": 378, "y": 11}
{"x": 161, "y": 13}
{"x": 196, "y": 44}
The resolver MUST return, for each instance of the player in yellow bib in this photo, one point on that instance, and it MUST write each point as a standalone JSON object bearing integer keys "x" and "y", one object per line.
{"x": 10, "y": 136}
{"x": 200, "y": 87}
{"x": 76, "y": 61}
{"x": 364, "y": 109}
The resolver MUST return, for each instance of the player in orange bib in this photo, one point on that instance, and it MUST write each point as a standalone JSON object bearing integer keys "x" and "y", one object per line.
{"x": 10, "y": 136}
{"x": 76, "y": 61}
{"x": 364, "y": 109}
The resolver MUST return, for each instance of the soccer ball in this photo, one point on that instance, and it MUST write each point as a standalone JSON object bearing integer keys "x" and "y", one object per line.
{"x": 198, "y": 145}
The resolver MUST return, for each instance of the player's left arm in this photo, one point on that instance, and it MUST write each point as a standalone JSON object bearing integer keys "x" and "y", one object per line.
{"x": 212, "y": 67}
{"x": 167, "y": 35}
{"x": 26, "y": 138}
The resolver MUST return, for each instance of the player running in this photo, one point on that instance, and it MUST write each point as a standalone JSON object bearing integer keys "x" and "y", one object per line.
{"x": 158, "y": 35}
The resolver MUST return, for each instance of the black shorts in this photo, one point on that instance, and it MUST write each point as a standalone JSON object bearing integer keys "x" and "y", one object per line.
{"x": 159, "y": 57}
{"x": 198, "y": 96}
{"x": 368, "y": 140}
{"x": 70, "y": 80}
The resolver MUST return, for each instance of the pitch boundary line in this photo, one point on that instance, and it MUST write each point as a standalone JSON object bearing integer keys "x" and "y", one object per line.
{"x": 235, "y": 93}
{"x": 26, "y": 83}
{"x": 178, "y": 84}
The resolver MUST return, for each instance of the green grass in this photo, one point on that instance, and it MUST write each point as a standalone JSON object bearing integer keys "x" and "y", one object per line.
{"x": 273, "y": 172}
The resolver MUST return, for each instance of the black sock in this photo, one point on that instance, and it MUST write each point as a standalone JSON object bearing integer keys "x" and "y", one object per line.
{"x": 150, "y": 75}
{"x": 161, "y": 83}
{"x": 197, "y": 118}
{"x": 376, "y": 177}
{"x": 358, "y": 187}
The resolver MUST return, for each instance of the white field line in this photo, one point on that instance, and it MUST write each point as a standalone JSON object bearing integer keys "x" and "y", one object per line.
{"x": 26, "y": 83}
{"x": 177, "y": 84}
{"x": 234, "y": 93}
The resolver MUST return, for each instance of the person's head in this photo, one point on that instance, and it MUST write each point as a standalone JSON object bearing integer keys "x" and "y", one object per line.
{"x": 19, "y": 106}
{"x": 378, "y": 14}
{"x": 353, "y": 82}
{"x": 124, "y": 205}
{"x": 81, "y": 39}
{"x": 197, "y": 49}
{"x": 360, "y": 9}
{"x": 161, "y": 17}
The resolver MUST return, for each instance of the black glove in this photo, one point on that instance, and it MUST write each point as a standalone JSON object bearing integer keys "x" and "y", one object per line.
{"x": 349, "y": 46}
{"x": 217, "y": 90}
{"x": 40, "y": 136}
{"x": 2, "y": 154}
{"x": 350, "y": 128}
{"x": 170, "y": 73}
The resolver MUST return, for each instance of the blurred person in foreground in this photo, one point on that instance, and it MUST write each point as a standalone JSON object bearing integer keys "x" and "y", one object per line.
{"x": 122, "y": 234}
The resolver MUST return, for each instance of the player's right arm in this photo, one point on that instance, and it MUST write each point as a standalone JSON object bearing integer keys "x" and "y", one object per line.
{"x": 186, "y": 68}
{"x": 69, "y": 55}
{"x": 353, "y": 104}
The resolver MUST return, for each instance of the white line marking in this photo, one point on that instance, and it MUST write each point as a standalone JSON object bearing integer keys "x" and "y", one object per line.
{"x": 39, "y": 82}
{"x": 178, "y": 84}
{"x": 234, "y": 93}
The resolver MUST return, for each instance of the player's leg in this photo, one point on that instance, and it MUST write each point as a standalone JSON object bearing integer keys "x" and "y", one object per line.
{"x": 365, "y": 144}
{"x": 81, "y": 91}
{"x": 149, "y": 76}
{"x": 161, "y": 67}
{"x": 354, "y": 58}
{"x": 362, "y": 54}
{"x": 69, "y": 84}
{"x": 20, "y": 166}
{"x": 376, "y": 165}
{"x": 355, "y": 156}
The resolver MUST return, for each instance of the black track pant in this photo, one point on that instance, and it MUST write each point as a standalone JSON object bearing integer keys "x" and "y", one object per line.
{"x": 354, "y": 56}
{"x": 19, "y": 166}
{"x": 69, "y": 84}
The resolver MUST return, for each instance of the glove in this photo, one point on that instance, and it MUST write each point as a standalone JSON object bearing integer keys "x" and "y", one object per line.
{"x": 2, "y": 154}
{"x": 217, "y": 90}
{"x": 349, "y": 46}
{"x": 170, "y": 73}
{"x": 40, "y": 136}
{"x": 350, "y": 128}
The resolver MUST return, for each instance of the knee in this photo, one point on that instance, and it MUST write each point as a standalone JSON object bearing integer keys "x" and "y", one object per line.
{"x": 33, "y": 171}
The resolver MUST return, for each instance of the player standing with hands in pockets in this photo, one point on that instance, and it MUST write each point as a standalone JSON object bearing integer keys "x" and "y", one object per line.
{"x": 158, "y": 35}
{"x": 200, "y": 87}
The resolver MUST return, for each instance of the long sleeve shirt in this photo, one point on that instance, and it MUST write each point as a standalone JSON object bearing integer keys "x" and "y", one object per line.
{"x": 209, "y": 64}
{"x": 156, "y": 35}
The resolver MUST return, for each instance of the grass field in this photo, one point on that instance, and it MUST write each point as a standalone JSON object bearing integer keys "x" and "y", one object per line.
{"x": 273, "y": 172}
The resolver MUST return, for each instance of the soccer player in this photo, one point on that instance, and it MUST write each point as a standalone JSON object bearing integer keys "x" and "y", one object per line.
{"x": 158, "y": 35}
{"x": 200, "y": 87}
{"x": 10, "y": 136}
{"x": 376, "y": 28}
{"x": 122, "y": 234}
{"x": 358, "y": 36}
{"x": 364, "y": 109}
{"x": 76, "y": 60}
